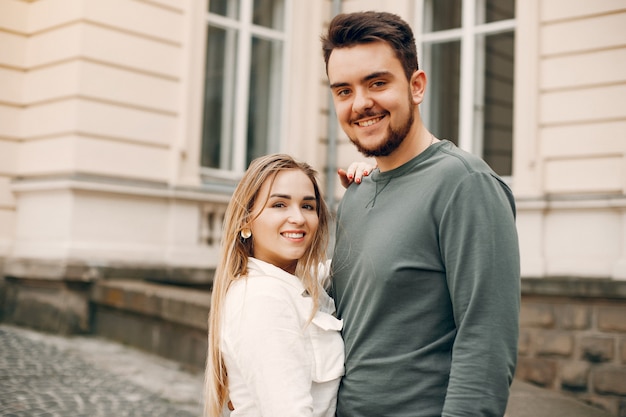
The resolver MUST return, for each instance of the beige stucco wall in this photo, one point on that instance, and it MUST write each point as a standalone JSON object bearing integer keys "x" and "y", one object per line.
{"x": 100, "y": 123}
{"x": 95, "y": 117}
{"x": 570, "y": 137}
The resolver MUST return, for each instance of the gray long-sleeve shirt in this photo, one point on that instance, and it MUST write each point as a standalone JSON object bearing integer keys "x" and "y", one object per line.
{"x": 426, "y": 278}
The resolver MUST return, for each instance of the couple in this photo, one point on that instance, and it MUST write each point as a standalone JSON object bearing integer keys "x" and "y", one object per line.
{"x": 424, "y": 275}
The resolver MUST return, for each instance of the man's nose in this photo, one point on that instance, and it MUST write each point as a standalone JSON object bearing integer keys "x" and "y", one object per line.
{"x": 362, "y": 101}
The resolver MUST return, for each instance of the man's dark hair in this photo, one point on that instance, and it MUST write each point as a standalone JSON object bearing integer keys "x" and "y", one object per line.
{"x": 350, "y": 29}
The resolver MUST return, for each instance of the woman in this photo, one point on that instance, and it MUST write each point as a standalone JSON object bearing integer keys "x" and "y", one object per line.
{"x": 274, "y": 345}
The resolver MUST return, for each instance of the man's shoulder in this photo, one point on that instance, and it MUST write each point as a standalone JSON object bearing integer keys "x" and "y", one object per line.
{"x": 455, "y": 158}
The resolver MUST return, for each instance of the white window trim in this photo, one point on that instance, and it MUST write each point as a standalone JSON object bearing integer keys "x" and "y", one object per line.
{"x": 246, "y": 31}
{"x": 468, "y": 128}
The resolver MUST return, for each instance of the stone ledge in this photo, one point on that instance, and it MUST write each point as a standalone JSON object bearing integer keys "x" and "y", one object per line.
{"x": 574, "y": 287}
{"x": 81, "y": 271}
{"x": 185, "y": 306}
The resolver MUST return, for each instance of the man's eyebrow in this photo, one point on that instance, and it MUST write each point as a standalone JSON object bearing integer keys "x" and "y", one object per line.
{"x": 368, "y": 77}
{"x": 337, "y": 85}
{"x": 376, "y": 75}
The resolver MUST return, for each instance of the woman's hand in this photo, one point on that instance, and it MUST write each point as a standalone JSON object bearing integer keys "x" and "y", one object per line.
{"x": 355, "y": 172}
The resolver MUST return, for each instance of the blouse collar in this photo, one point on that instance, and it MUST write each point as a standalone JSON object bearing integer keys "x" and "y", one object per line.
{"x": 257, "y": 266}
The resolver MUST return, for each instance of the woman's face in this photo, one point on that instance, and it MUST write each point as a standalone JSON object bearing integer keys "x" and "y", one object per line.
{"x": 285, "y": 219}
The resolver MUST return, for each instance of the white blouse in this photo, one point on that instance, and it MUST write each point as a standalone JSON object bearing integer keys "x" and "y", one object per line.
{"x": 279, "y": 364}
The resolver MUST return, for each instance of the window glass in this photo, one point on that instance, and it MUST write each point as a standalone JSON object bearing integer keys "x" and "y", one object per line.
{"x": 227, "y": 8}
{"x": 219, "y": 92}
{"x": 263, "y": 117}
{"x": 498, "y": 102}
{"x": 446, "y": 14}
{"x": 444, "y": 81}
{"x": 495, "y": 10}
{"x": 269, "y": 13}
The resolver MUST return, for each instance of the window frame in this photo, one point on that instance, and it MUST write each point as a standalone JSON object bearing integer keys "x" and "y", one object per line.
{"x": 470, "y": 134}
{"x": 238, "y": 108}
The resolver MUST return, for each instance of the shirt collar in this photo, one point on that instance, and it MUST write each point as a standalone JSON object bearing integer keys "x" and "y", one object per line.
{"x": 258, "y": 267}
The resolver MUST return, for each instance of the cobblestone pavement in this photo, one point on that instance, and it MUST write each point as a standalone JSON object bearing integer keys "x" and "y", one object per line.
{"x": 45, "y": 375}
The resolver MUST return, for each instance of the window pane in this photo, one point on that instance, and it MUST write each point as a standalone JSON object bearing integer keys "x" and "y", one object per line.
{"x": 444, "y": 89}
{"x": 219, "y": 93}
{"x": 496, "y": 10}
{"x": 227, "y": 8}
{"x": 498, "y": 102}
{"x": 445, "y": 14}
{"x": 264, "y": 105}
{"x": 269, "y": 13}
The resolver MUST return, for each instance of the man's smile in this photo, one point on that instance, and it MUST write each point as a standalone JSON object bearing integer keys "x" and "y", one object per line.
{"x": 369, "y": 122}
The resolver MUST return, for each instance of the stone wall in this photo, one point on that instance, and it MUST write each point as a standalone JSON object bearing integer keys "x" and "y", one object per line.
{"x": 2, "y": 296}
{"x": 163, "y": 319}
{"x": 573, "y": 339}
{"x": 57, "y": 306}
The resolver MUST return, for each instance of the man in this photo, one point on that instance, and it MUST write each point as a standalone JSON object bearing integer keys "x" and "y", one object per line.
{"x": 426, "y": 262}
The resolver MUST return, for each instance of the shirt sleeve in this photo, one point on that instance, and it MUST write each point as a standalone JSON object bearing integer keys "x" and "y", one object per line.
{"x": 269, "y": 349}
{"x": 481, "y": 256}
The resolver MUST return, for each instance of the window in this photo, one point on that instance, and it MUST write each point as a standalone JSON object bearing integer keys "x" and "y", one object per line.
{"x": 245, "y": 63}
{"x": 467, "y": 49}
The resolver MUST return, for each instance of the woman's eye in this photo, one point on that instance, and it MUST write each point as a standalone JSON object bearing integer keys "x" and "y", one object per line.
{"x": 308, "y": 207}
{"x": 278, "y": 205}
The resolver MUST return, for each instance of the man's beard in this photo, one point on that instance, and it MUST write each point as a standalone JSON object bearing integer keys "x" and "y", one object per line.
{"x": 394, "y": 139}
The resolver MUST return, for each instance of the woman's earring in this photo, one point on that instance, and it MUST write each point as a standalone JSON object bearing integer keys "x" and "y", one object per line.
{"x": 246, "y": 233}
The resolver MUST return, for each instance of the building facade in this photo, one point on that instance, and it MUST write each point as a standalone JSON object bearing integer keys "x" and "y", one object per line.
{"x": 125, "y": 124}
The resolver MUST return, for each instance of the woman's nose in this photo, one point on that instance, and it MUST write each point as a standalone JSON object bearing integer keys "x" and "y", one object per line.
{"x": 295, "y": 216}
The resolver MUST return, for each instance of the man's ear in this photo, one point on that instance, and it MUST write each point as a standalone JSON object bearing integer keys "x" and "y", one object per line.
{"x": 418, "y": 86}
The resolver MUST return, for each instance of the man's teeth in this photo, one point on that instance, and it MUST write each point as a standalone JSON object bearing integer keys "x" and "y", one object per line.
{"x": 294, "y": 235}
{"x": 369, "y": 122}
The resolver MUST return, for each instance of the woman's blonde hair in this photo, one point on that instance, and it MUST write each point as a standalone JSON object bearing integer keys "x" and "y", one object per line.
{"x": 233, "y": 262}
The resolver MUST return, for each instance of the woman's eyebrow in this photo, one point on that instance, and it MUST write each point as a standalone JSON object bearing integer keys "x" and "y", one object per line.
{"x": 281, "y": 196}
{"x": 288, "y": 197}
